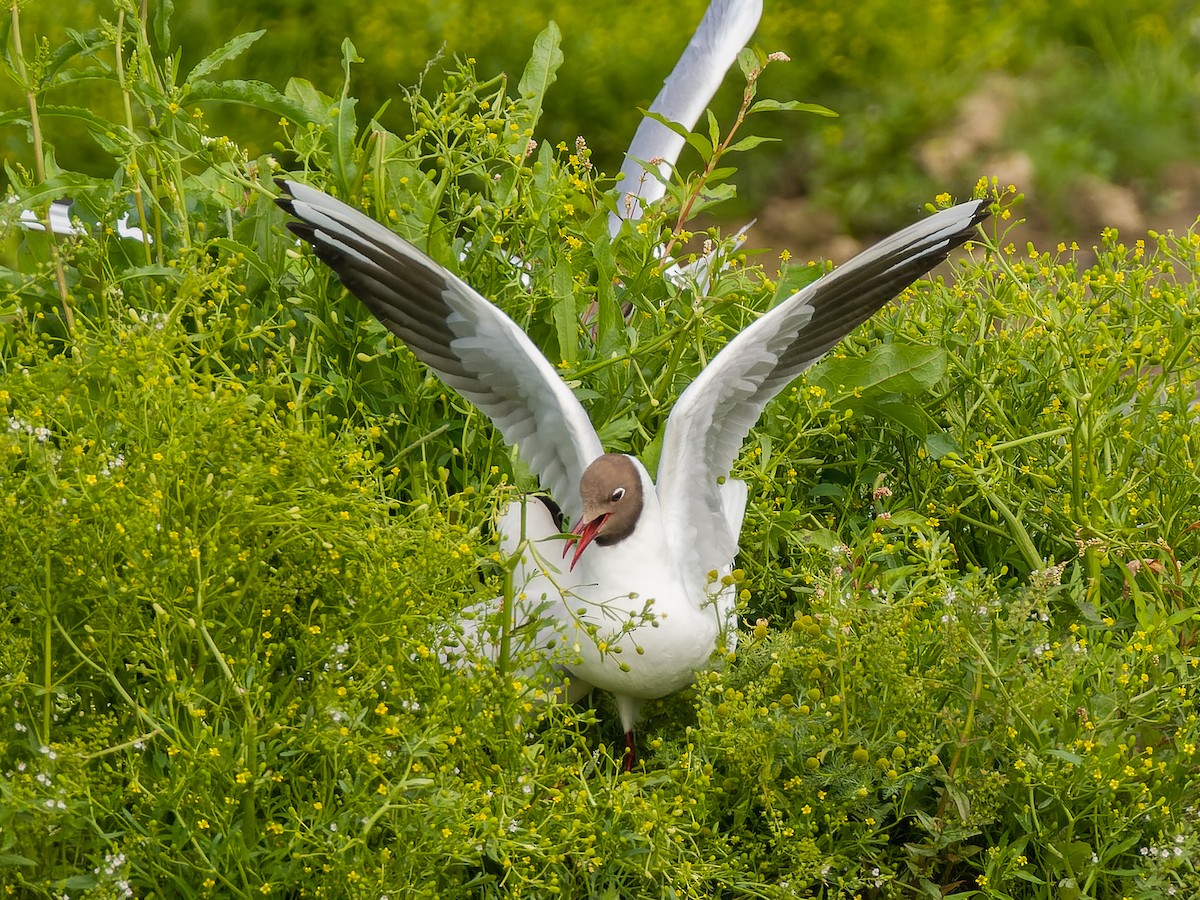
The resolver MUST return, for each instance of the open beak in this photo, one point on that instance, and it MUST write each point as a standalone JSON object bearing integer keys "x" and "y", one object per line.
{"x": 585, "y": 533}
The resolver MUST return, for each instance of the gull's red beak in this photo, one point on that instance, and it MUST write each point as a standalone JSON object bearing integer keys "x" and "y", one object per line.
{"x": 585, "y": 533}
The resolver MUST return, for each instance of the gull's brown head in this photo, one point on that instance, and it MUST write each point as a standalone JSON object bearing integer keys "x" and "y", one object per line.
{"x": 611, "y": 490}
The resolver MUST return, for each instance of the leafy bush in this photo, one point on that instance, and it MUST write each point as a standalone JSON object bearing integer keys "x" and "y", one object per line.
{"x": 237, "y": 518}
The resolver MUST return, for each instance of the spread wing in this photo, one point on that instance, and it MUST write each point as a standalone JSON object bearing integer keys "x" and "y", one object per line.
{"x": 473, "y": 346}
{"x": 725, "y": 29}
{"x": 712, "y": 417}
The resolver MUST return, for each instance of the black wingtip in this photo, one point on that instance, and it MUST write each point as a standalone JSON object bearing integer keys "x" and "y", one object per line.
{"x": 984, "y": 211}
{"x": 285, "y": 200}
{"x": 301, "y": 229}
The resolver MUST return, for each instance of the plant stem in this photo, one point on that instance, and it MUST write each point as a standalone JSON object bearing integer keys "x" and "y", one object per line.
{"x": 39, "y": 165}
{"x": 964, "y": 737}
{"x": 710, "y": 166}
{"x": 134, "y": 169}
{"x": 508, "y": 600}
{"x": 47, "y": 663}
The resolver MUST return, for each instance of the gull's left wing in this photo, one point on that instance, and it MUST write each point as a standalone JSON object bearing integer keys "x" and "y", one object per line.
{"x": 714, "y": 414}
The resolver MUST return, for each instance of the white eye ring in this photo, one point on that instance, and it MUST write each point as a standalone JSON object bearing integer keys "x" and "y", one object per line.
{"x": 617, "y": 494}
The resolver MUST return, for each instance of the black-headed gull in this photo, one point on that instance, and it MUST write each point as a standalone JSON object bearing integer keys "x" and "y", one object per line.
{"x": 634, "y": 604}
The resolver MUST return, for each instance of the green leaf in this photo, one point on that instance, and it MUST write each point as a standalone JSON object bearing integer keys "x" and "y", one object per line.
{"x": 714, "y": 130}
{"x": 315, "y": 103}
{"x": 894, "y": 368}
{"x": 961, "y": 800}
{"x": 1073, "y": 758}
{"x": 258, "y": 94}
{"x": 719, "y": 173}
{"x": 911, "y": 418}
{"x": 222, "y": 55}
{"x": 789, "y": 106}
{"x": 793, "y": 280}
{"x": 828, "y": 489}
{"x": 341, "y": 144}
{"x": 652, "y": 452}
{"x": 663, "y": 120}
{"x": 139, "y": 274}
{"x": 58, "y": 184}
{"x": 941, "y": 444}
{"x": 163, "y": 10}
{"x": 82, "y": 114}
{"x": 610, "y": 324}
{"x": 700, "y": 144}
{"x": 1183, "y": 615}
{"x": 749, "y": 143}
{"x": 566, "y": 321}
{"x": 614, "y": 432}
{"x": 349, "y": 58}
{"x": 540, "y": 72}
{"x": 749, "y": 59}
{"x": 1027, "y": 876}
{"x": 81, "y": 43}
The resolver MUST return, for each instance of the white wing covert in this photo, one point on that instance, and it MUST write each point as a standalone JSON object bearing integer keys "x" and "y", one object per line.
{"x": 474, "y": 347}
{"x": 712, "y": 417}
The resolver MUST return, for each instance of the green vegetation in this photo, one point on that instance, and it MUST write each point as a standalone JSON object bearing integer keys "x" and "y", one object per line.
{"x": 236, "y": 518}
{"x": 1119, "y": 77}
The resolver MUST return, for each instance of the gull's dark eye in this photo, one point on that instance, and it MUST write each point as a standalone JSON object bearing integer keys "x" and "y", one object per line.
{"x": 617, "y": 494}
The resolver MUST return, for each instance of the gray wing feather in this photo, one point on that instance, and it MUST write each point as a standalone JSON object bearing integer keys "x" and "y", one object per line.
{"x": 475, "y": 348}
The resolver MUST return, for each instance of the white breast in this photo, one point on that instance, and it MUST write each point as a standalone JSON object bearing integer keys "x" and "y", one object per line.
{"x": 640, "y": 627}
